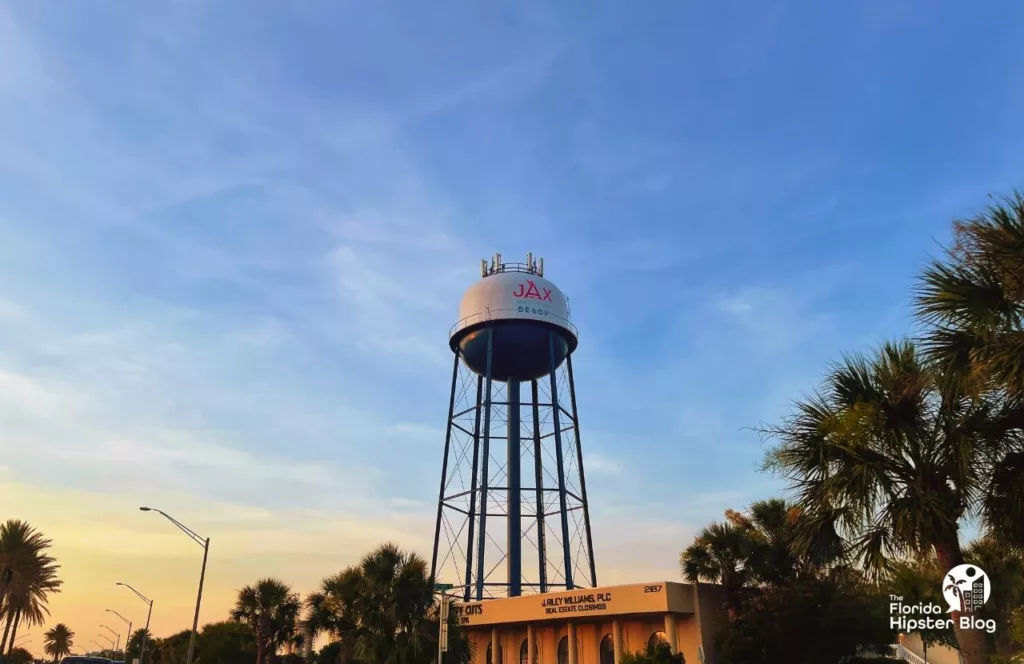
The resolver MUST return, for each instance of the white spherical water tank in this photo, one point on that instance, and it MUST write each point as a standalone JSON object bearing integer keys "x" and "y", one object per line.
{"x": 520, "y": 308}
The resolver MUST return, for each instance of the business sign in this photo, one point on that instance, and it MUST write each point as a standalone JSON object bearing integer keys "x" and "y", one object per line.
{"x": 582, "y": 603}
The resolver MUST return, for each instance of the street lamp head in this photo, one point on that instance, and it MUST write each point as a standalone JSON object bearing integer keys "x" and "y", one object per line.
{"x": 118, "y": 584}
{"x": 145, "y": 509}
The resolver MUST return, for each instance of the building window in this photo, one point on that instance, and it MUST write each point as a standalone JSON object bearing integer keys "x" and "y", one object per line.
{"x": 607, "y": 650}
{"x": 656, "y": 638}
{"x": 524, "y": 652}
{"x": 563, "y": 650}
{"x": 489, "y": 655}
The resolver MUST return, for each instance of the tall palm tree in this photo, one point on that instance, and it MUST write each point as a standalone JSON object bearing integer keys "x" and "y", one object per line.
{"x": 973, "y": 299}
{"x": 893, "y": 455}
{"x": 271, "y": 609}
{"x": 754, "y": 548}
{"x": 331, "y": 610}
{"x": 383, "y": 611}
{"x": 720, "y": 554}
{"x": 134, "y": 644}
{"x": 26, "y": 606}
{"x": 972, "y": 303}
{"x": 771, "y": 527}
{"x": 29, "y": 576}
{"x": 393, "y": 607}
{"x": 58, "y": 641}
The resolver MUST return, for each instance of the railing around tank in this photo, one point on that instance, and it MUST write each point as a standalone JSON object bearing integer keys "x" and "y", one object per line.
{"x": 525, "y": 268}
{"x": 506, "y": 314}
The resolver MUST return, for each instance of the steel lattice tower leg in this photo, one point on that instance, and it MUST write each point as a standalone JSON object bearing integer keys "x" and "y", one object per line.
{"x": 493, "y": 431}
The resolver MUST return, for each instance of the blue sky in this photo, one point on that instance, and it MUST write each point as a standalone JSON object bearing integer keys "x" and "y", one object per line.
{"x": 233, "y": 236}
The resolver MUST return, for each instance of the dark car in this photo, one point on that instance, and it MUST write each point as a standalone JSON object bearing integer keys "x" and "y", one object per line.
{"x": 82, "y": 659}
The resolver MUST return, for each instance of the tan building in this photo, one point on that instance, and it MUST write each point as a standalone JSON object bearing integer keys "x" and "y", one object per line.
{"x": 594, "y": 625}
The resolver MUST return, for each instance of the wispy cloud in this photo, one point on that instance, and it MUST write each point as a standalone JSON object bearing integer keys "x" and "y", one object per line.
{"x": 598, "y": 463}
{"x": 232, "y": 244}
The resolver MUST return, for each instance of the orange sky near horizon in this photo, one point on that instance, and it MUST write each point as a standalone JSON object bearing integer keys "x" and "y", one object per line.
{"x": 102, "y": 538}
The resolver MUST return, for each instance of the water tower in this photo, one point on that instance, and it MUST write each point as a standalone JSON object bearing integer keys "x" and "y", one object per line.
{"x": 512, "y": 514}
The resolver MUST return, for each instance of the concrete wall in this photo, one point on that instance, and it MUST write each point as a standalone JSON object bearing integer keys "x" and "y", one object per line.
{"x": 710, "y": 616}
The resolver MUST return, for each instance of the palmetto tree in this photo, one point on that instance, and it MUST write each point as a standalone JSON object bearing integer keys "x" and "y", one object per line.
{"x": 972, "y": 304}
{"x": 27, "y": 597}
{"x": 892, "y": 455}
{"x": 772, "y": 526}
{"x": 756, "y": 547}
{"x": 393, "y": 608}
{"x": 133, "y": 644}
{"x": 383, "y": 611}
{"x": 271, "y": 609}
{"x": 973, "y": 299}
{"x": 720, "y": 554}
{"x": 331, "y": 609}
{"x": 28, "y": 577}
{"x": 58, "y": 641}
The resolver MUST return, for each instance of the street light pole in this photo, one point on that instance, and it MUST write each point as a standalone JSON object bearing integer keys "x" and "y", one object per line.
{"x": 205, "y": 543}
{"x": 145, "y": 634}
{"x": 117, "y": 645}
{"x": 199, "y": 601}
{"x": 129, "y": 623}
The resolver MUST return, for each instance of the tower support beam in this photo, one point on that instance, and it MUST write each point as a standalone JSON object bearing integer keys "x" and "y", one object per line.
{"x": 538, "y": 468}
{"x": 515, "y": 502}
{"x": 472, "y": 492}
{"x": 560, "y": 462}
{"x": 484, "y": 474}
{"x": 444, "y": 465}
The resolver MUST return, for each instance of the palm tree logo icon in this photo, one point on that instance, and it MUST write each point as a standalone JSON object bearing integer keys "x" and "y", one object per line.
{"x": 966, "y": 588}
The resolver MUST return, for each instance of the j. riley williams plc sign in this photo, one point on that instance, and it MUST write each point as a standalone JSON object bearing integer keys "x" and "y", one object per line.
{"x": 581, "y": 603}
{"x": 965, "y": 588}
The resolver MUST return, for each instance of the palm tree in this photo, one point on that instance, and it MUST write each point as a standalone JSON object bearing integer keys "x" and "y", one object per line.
{"x": 134, "y": 644}
{"x": 383, "y": 611}
{"x": 26, "y": 604}
{"x": 753, "y": 548}
{"x": 771, "y": 527}
{"x": 972, "y": 303}
{"x": 271, "y": 609}
{"x": 29, "y": 576}
{"x": 331, "y": 610}
{"x": 893, "y": 455}
{"x": 58, "y": 641}
{"x": 973, "y": 299}
{"x": 720, "y": 554}
{"x": 393, "y": 608}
